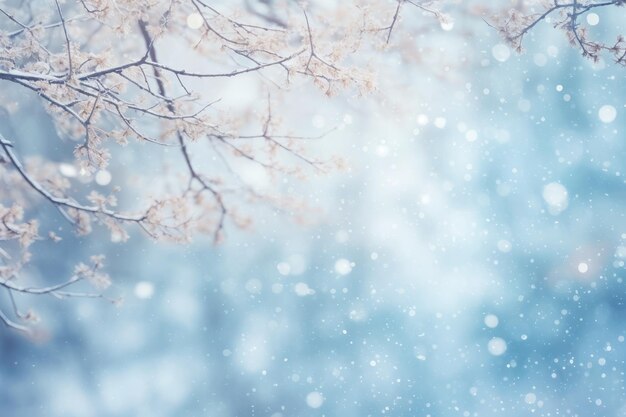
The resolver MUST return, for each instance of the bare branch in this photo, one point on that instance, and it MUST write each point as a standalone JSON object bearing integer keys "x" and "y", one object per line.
{"x": 517, "y": 25}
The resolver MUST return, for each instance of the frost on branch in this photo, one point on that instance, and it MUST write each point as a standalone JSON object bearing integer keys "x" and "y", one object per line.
{"x": 106, "y": 75}
{"x": 17, "y": 236}
{"x": 568, "y": 16}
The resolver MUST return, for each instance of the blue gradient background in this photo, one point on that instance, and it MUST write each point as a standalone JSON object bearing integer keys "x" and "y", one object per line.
{"x": 402, "y": 334}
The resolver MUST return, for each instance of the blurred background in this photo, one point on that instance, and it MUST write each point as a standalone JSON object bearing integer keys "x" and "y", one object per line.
{"x": 469, "y": 262}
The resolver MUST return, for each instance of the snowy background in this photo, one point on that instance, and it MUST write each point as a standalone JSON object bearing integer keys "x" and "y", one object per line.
{"x": 470, "y": 263}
